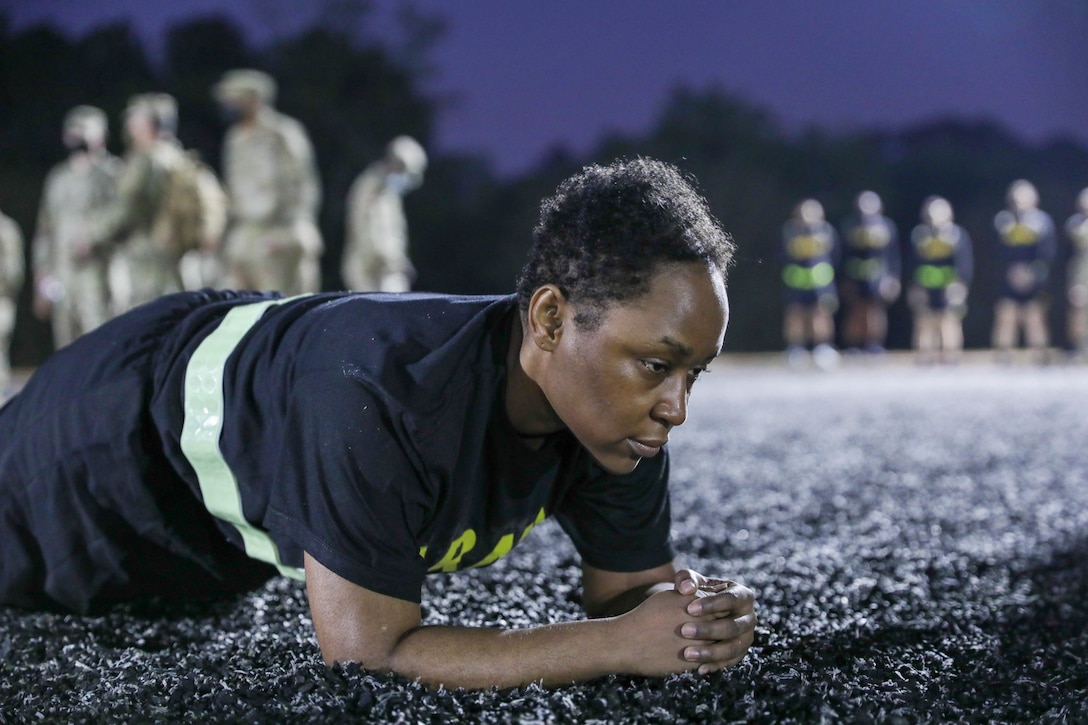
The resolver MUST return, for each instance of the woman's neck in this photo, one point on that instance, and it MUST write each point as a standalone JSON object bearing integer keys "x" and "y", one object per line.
{"x": 527, "y": 406}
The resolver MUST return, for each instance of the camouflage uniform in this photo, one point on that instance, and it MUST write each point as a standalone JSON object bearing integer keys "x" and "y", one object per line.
{"x": 376, "y": 252}
{"x": 129, "y": 223}
{"x": 273, "y": 242}
{"x": 11, "y": 281}
{"x": 152, "y": 267}
{"x": 76, "y": 286}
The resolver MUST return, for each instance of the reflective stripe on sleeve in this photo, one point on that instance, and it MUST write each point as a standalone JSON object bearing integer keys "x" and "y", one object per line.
{"x": 204, "y": 411}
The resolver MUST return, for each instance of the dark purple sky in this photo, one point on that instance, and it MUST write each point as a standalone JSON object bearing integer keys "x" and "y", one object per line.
{"x": 531, "y": 74}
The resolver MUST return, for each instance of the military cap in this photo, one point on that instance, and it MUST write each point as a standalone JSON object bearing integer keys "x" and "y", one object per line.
{"x": 242, "y": 82}
{"x": 162, "y": 107}
{"x": 407, "y": 150}
{"x": 83, "y": 118}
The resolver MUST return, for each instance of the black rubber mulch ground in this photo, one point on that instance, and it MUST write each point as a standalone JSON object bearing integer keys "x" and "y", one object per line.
{"x": 917, "y": 539}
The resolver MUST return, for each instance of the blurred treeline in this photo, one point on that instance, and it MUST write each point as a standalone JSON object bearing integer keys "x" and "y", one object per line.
{"x": 469, "y": 227}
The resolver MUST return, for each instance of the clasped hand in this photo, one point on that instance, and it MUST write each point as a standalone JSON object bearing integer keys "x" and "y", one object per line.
{"x": 725, "y": 620}
{"x": 701, "y": 623}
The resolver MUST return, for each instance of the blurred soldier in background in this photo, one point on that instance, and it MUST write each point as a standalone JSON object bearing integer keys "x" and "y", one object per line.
{"x": 942, "y": 265}
{"x": 200, "y": 219}
{"x": 810, "y": 246}
{"x": 139, "y": 223}
{"x": 871, "y": 268}
{"x": 70, "y": 287}
{"x": 1027, "y": 247}
{"x": 1077, "y": 288}
{"x": 11, "y": 282}
{"x": 376, "y": 252}
{"x": 273, "y": 242}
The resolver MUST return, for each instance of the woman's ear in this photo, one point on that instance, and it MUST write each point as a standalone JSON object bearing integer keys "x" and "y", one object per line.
{"x": 548, "y": 308}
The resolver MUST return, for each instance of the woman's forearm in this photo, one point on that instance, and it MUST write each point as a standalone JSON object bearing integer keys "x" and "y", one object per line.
{"x": 479, "y": 658}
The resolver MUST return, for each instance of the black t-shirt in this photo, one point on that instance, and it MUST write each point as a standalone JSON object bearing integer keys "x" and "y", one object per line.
{"x": 370, "y": 431}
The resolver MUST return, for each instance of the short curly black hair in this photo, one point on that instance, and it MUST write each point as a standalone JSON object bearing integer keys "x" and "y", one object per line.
{"x": 602, "y": 236}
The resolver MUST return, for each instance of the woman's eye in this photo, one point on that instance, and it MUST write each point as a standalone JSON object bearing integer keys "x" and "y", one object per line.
{"x": 696, "y": 372}
{"x": 655, "y": 366}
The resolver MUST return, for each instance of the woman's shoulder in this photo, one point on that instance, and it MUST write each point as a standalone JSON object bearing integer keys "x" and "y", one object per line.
{"x": 384, "y": 320}
{"x": 411, "y": 339}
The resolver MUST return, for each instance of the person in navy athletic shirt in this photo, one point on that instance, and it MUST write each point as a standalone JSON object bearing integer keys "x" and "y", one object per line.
{"x": 202, "y": 442}
{"x": 1076, "y": 228}
{"x": 1026, "y": 250}
{"x": 941, "y": 267}
{"x": 810, "y": 251}
{"x": 870, "y": 274}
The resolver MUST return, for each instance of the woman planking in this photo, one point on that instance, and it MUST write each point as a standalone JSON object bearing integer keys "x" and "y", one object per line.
{"x": 201, "y": 443}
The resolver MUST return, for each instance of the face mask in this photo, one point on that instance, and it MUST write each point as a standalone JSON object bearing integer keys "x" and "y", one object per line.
{"x": 399, "y": 183}
{"x": 76, "y": 144}
{"x": 230, "y": 114}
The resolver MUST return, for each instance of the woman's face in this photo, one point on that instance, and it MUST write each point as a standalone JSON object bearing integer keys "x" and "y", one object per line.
{"x": 622, "y": 387}
{"x": 140, "y": 128}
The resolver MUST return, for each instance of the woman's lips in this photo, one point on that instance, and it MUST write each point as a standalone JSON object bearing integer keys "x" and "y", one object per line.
{"x": 645, "y": 448}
